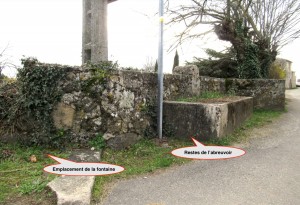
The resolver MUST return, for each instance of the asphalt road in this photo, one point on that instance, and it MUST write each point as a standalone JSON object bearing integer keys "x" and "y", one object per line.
{"x": 269, "y": 173}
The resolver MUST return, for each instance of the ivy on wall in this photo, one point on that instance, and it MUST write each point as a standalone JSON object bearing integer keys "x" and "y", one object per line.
{"x": 247, "y": 55}
{"x": 100, "y": 74}
{"x": 26, "y": 106}
{"x": 29, "y": 110}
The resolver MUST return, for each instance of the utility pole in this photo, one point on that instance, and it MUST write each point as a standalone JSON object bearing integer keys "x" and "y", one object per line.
{"x": 160, "y": 69}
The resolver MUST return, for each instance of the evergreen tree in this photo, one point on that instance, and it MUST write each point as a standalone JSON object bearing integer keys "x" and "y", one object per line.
{"x": 156, "y": 67}
{"x": 176, "y": 60}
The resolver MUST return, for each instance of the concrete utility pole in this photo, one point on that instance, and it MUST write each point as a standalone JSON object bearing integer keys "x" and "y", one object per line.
{"x": 94, "y": 31}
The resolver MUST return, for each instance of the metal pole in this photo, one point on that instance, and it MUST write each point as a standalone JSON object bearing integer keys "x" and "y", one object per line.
{"x": 160, "y": 69}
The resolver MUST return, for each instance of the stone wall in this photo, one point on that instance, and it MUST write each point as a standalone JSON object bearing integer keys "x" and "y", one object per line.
{"x": 266, "y": 93}
{"x": 117, "y": 108}
{"x": 293, "y": 80}
{"x": 209, "y": 84}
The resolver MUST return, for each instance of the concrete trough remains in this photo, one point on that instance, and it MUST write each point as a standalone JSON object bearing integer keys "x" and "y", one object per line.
{"x": 207, "y": 120}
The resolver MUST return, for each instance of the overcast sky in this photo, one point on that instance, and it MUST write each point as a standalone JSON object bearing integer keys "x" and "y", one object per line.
{"x": 50, "y": 30}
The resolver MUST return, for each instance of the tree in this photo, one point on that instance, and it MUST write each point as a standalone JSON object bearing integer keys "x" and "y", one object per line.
{"x": 219, "y": 64}
{"x": 257, "y": 29}
{"x": 5, "y": 62}
{"x": 156, "y": 67}
{"x": 149, "y": 66}
{"x": 2, "y": 63}
{"x": 176, "y": 60}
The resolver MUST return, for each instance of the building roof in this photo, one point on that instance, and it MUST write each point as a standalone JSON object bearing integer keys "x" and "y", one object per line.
{"x": 109, "y": 1}
{"x": 284, "y": 60}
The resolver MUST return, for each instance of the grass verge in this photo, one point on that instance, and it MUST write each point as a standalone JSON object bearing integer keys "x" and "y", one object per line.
{"x": 146, "y": 157}
{"x": 20, "y": 177}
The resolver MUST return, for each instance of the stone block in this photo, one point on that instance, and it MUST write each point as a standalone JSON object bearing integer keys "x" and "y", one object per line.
{"x": 63, "y": 116}
{"x": 123, "y": 141}
{"x": 75, "y": 190}
{"x": 205, "y": 121}
{"x": 186, "y": 70}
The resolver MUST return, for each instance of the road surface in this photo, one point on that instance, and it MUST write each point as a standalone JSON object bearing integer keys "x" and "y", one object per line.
{"x": 269, "y": 173}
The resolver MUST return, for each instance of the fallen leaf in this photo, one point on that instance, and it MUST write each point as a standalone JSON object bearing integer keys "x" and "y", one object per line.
{"x": 33, "y": 158}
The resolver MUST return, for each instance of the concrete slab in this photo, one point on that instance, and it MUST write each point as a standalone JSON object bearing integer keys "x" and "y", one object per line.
{"x": 205, "y": 121}
{"x": 75, "y": 190}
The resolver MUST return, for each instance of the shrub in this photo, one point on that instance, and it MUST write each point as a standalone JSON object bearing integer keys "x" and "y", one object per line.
{"x": 276, "y": 72}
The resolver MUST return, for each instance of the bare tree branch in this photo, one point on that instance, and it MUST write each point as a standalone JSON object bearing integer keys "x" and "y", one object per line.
{"x": 274, "y": 21}
{"x": 5, "y": 60}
